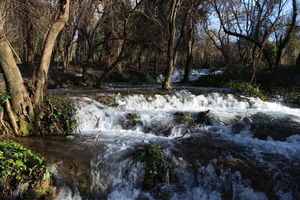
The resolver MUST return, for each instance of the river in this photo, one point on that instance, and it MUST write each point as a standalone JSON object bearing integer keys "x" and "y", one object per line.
{"x": 219, "y": 146}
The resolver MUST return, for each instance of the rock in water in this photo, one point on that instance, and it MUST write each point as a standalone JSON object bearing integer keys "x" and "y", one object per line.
{"x": 203, "y": 118}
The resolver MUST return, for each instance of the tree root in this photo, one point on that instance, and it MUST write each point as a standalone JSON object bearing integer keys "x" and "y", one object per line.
{"x": 2, "y": 125}
{"x": 12, "y": 118}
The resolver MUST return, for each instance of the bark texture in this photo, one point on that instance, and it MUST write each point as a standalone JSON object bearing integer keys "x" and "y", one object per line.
{"x": 40, "y": 77}
{"x": 171, "y": 45}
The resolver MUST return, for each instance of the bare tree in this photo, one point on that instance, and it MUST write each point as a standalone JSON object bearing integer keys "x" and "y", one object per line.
{"x": 253, "y": 21}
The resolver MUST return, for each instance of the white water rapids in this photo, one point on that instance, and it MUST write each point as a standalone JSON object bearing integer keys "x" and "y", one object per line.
{"x": 233, "y": 136}
{"x": 178, "y": 74}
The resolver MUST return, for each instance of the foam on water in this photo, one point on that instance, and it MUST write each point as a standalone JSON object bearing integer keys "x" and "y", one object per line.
{"x": 111, "y": 172}
{"x": 96, "y": 116}
{"x": 178, "y": 74}
{"x": 158, "y": 111}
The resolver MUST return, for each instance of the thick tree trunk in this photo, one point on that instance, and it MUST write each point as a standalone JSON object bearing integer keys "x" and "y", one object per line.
{"x": 40, "y": 77}
{"x": 12, "y": 76}
{"x": 19, "y": 107}
{"x": 166, "y": 85}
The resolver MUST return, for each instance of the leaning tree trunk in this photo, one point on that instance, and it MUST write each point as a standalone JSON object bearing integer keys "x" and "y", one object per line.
{"x": 18, "y": 107}
{"x": 41, "y": 74}
{"x": 166, "y": 85}
{"x": 284, "y": 41}
{"x": 117, "y": 61}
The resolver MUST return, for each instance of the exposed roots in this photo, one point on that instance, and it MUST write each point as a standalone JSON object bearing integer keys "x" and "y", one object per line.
{"x": 2, "y": 124}
{"x": 12, "y": 118}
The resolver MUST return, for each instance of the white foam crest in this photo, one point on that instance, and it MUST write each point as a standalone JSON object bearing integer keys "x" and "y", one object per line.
{"x": 65, "y": 193}
{"x": 183, "y": 101}
{"x": 289, "y": 148}
{"x": 94, "y": 116}
{"x": 225, "y": 105}
{"x": 178, "y": 74}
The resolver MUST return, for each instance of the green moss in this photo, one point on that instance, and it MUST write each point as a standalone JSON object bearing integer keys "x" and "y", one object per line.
{"x": 21, "y": 170}
{"x": 132, "y": 118}
{"x": 25, "y": 128}
{"x": 58, "y": 116}
{"x": 184, "y": 117}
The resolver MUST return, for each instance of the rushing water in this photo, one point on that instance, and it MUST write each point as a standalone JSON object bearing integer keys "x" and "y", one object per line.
{"x": 248, "y": 148}
{"x": 178, "y": 74}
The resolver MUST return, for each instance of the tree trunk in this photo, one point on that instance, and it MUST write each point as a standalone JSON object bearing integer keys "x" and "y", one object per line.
{"x": 166, "y": 85}
{"x": 155, "y": 64}
{"x": 111, "y": 68}
{"x": 189, "y": 57}
{"x": 116, "y": 63}
{"x": 253, "y": 64}
{"x": 283, "y": 42}
{"x": 140, "y": 60}
{"x": 40, "y": 77}
{"x": 19, "y": 107}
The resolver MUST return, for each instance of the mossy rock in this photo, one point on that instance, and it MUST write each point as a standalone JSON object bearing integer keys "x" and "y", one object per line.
{"x": 204, "y": 118}
{"x": 132, "y": 120}
{"x": 23, "y": 174}
{"x": 184, "y": 118}
{"x": 107, "y": 100}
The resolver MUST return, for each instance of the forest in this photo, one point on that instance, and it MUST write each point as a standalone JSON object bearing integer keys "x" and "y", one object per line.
{"x": 150, "y": 99}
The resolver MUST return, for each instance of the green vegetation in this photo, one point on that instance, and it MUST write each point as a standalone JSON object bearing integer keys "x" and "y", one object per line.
{"x": 132, "y": 118}
{"x": 155, "y": 169}
{"x": 184, "y": 117}
{"x": 246, "y": 88}
{"x": 279, "y": 81}
{"x": 22, "y": 172}
{"x": 58, "y": 116}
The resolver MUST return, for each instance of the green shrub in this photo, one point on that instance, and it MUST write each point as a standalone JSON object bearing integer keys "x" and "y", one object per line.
{"x": 58, "y": 116}
{"x": 21, "y": 170}
{"x": 245, "y": 88}
{"x": 271, "y": 82}
{"x": 155, "y": 170}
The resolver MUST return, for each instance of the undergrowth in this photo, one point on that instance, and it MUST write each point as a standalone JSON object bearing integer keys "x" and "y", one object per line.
{"x": 58, "y": 116}
{"x": 22, "y": 172}
{"x": 281, "y": 80}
